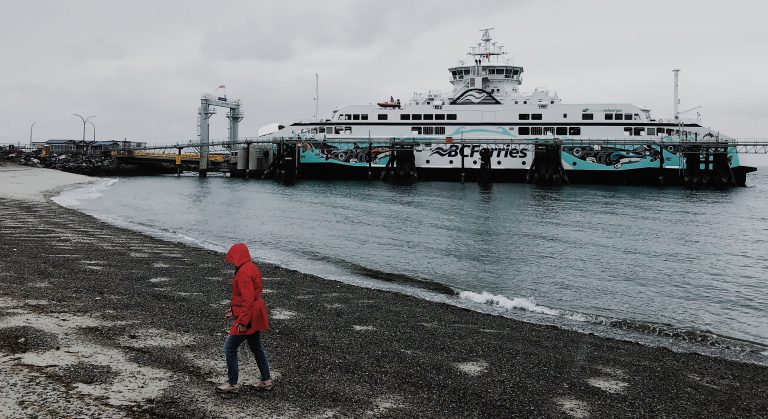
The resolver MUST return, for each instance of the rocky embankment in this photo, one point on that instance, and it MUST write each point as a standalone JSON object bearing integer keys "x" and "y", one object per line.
{"x": 90, "y": 165}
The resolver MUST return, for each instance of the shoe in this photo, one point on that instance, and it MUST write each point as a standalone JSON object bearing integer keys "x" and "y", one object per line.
{"x": 264, "y": 385}
{"x": 228, "y": 388}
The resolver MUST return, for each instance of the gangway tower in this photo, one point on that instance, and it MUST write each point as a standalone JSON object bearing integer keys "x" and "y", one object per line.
{"x": 208, "y": 104}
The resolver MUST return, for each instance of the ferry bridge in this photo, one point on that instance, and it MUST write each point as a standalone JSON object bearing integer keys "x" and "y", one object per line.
{"x": 705, "y": 163}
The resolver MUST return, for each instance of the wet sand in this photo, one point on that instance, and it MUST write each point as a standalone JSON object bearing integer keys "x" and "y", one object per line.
{"x": 97, "y": 320}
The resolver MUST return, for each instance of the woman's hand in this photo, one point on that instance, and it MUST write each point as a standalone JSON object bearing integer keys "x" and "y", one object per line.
{"x": 241, "y": 328}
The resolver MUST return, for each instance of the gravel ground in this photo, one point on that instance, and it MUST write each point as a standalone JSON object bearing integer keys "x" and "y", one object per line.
{"x": 101, "y": 321}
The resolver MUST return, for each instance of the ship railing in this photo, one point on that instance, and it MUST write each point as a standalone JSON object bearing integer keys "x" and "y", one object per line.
{"x": 751, "y": 146}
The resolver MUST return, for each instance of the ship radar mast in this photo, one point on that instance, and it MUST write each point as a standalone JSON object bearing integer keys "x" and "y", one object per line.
{"x": 485, "y": 49}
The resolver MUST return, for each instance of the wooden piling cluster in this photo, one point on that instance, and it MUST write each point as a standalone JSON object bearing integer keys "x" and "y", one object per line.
{"x": 547, "y": 167}
{"x": 716, "y": 171}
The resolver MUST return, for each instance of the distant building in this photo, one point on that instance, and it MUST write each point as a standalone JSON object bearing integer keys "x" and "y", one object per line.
{"x": 116, "y": 145}
{"x": 67, "y": 146}
{"x": 57, "y": 146}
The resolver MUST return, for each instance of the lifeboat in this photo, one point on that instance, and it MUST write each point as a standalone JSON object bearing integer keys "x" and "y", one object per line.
{"x": 389, "y": 104}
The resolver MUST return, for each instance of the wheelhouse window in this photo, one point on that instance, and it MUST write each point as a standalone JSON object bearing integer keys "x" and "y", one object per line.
{"x": 383, "y": 117}
{"x": 347, "y": 117}
{"x": 428, "y": 117}
{"x": 451, "y": 116}
{"x": 561, "y": 130}
{"x": 587, "y": 117}
{"x": 609, "y": 117}
{"x": 619, "y": 116}
{"x": 440, "y": 117}
{"x": 525, "y": 116}
{"x": 405, "y": 117}
{"x": 536, "y": 117}
{"x": 574, "y": 130}
{"x": 364, "y": 117}
{"x": 627, "y": 116}
{"x": 416, "y": 117}
{"x": 356, "y": 117}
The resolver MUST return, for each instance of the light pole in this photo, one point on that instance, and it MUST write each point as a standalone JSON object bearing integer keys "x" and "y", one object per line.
{"x": 94, "y": 130}
{"x": 30, "y": 133}
{"x": 84, "y": 121}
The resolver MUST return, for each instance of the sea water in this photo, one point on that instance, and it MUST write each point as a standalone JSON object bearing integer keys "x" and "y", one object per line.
{"x": 667, "y": 266}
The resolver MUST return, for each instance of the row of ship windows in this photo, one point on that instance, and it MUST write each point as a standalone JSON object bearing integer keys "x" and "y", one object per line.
{"x": 452, "y": 117}
{"x": 428, "y": 130}
{"x": 547, "y": 130}
{"x": 628, "y": 131}
{"x": 341, "y": 130}
{"x": 636, "y": 131}
{"x": 612, "y": 117}
{"x": 403, "y": 117}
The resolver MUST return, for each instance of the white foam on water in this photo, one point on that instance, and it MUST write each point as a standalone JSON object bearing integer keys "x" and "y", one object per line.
{"x": 74, "y": 197}
{"x": 500, "y": 301}
{"x": 159, "y": 279}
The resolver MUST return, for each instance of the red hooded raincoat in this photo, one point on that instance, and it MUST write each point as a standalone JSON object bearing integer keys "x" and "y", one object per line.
{"x": 248, "y": 307}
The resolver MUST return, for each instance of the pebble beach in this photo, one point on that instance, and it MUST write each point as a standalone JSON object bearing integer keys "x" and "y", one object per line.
{"x": 96, "y": 320}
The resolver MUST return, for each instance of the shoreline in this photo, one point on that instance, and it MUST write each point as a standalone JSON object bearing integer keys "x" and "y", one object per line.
{"x": 681, "y": 339}
{"x": 103, "y": 293}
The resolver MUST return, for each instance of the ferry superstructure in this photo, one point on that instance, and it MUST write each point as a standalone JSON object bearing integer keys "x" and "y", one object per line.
{"x": 486, "y": 103}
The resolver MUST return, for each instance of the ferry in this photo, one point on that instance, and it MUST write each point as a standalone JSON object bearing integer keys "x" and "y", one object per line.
{"x": 602, "y": 142}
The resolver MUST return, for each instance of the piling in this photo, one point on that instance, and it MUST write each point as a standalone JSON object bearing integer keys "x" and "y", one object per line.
{"x": 547, "y": 166}
{"x": 485, "y": 178}
{"x": 401, "y": 165}
{"x": 692, "y": 172}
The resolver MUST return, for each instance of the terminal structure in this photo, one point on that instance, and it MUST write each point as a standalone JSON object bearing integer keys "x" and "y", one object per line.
{"x": 208, "y": 104}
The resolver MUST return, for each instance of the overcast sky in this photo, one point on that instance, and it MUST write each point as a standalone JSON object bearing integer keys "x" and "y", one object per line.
{"x": 140, "y": 66}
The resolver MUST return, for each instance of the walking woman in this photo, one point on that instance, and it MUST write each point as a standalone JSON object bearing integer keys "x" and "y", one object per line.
{"x": 249, "y": 314}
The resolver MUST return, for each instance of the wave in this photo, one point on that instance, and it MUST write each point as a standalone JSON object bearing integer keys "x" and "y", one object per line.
{"x": 390, "y": 277}
{"x": 500, "y": 301}
{"x": 704, "y": 338}
{"x": 75, "y": 196}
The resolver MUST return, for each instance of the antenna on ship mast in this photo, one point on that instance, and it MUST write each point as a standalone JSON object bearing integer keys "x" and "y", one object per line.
{"x": 677, "y": 99}
{"x": 317, "y": 97}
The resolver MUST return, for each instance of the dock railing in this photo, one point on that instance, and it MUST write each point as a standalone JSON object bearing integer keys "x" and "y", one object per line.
{"x": 744, "y": 146}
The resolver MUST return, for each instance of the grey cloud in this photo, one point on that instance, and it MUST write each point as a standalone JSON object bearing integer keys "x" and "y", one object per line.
{"x": 140, "y": 66}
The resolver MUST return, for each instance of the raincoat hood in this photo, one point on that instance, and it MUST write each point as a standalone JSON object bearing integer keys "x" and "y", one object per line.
{"x": 238, "y": 254}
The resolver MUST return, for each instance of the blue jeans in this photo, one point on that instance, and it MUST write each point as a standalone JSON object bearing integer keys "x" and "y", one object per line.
{"x": 254, "y": 343}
